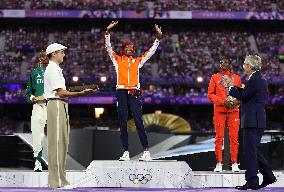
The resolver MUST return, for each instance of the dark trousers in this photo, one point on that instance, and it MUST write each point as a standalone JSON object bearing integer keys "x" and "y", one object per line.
{"x": 123, "y": 100}
{"x": 253, "y": 157}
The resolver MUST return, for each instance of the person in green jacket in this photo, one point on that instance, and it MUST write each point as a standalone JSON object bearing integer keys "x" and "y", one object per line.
{"x": 34, "y": 93}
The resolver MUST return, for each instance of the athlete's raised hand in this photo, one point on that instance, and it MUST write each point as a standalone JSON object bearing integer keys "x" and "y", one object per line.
{"x": 111, "y": 25}
{"x": 159, "y": 31}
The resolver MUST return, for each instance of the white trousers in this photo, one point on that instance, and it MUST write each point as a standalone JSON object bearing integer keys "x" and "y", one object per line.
{"x": 38, "y": 121}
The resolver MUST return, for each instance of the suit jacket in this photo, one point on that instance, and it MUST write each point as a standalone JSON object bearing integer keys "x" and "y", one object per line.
{"x": 253, "y": 99}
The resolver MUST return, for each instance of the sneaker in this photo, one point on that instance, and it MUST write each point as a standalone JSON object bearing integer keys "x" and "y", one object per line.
{"x": 67, "y": 187}
{"x": 125, "y": 156}
{"x": 218, "y": 167}
{"x": 235, "y": 167}
{"x": 38, "y": 167}
{"x": 146, "y": 156}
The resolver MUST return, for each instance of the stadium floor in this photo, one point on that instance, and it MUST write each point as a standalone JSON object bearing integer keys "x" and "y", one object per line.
{"x": 274, "y": 189}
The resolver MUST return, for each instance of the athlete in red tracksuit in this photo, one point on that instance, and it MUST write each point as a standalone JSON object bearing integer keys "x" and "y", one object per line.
{"x": 226, "y": 113}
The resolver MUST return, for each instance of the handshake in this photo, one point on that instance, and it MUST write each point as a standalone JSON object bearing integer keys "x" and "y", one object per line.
{"x": 231, "y": 102}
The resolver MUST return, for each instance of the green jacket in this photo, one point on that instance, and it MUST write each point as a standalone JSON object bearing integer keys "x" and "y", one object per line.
{"x": 35, "y": 85}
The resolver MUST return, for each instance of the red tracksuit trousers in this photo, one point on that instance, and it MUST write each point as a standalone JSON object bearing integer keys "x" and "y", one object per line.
{"x": 231, "y": 121}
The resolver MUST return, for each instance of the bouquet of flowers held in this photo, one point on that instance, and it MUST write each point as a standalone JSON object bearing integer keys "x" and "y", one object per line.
{"x": 231, "y": 102}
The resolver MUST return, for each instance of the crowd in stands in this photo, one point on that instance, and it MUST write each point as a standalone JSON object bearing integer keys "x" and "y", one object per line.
{"x": 198, "y": 53}
{"x": 189, "y": 54}
{"x": 10, "y": 66}
{"x": 269, "y": 44}
{"x": 185, "y": 5}
{"x": 221, "y": 5}
{"x": 186, "y": 55}
{"x": 175, "y": 93}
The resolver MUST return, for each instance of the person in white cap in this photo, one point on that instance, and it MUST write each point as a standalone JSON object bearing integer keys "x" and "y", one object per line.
{"x": 58, "y": 127}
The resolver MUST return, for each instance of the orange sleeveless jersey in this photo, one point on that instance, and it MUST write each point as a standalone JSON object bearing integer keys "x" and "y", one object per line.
{"x": 127, "y": 68}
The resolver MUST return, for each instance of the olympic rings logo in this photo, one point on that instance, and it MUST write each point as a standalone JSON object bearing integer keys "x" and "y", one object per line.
{"x": 143, "y": 179}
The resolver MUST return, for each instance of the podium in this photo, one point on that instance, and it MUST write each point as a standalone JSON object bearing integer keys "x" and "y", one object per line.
{"x": 132, "y": 174}
{"x": 152, "y": 174}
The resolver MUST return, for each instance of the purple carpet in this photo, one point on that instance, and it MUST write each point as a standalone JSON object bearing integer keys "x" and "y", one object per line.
{"x": 275, "y": 189}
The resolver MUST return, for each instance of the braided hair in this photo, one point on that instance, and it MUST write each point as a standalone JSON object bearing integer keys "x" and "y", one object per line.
{"x": 42, "y": 59}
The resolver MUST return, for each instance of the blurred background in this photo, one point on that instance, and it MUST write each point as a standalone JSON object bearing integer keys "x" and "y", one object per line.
{"x": 178, "y": 114}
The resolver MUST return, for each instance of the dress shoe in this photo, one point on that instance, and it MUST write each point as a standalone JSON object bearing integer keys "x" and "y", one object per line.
{"x": 266, "y": 182}
{"x": 246, "y": 187}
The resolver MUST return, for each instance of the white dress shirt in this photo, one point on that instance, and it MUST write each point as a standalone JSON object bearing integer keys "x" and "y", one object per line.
{"x": 53, "y": 79}
{"x": 251, "y": 75}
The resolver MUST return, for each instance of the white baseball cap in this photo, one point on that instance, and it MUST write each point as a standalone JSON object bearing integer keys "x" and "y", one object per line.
{"x": 54, "y": 47}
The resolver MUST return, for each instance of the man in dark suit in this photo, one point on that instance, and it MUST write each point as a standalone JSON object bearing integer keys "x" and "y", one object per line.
{"x": 253, "y": 96}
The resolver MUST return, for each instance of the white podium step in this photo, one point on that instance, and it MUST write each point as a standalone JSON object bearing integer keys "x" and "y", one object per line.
{"x": 230, "y": 179}
{"x": 153, "y": 174}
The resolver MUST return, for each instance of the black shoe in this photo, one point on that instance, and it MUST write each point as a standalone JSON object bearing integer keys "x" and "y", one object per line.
{"x": 246, "y": 187}
{"x": 265, "y": 182}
